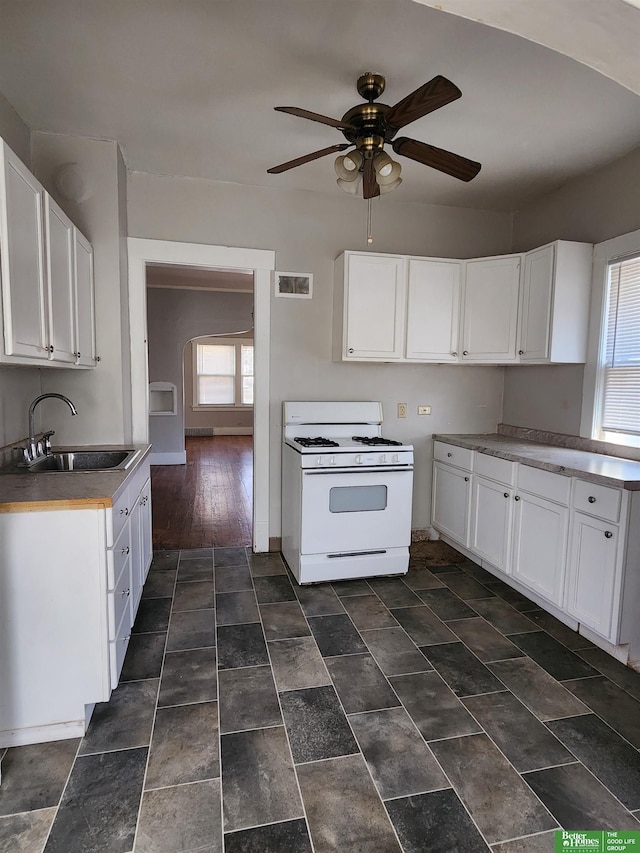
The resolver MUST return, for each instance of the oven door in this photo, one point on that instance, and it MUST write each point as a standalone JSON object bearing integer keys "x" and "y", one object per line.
{"x": 356, "y": 510}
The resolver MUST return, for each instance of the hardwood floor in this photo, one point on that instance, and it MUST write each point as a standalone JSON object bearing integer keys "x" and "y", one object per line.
{"x": 207, "y": 502}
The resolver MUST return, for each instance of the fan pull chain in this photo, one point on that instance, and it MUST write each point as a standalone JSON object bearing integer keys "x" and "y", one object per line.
{"x": 369, "y": 234}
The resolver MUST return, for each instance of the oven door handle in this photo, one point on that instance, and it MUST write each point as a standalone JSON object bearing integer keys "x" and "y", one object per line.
{"x": 379, "y": 470}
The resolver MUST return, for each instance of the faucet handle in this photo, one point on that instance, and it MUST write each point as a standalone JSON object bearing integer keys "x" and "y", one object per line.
{"x": 46, "y": 441}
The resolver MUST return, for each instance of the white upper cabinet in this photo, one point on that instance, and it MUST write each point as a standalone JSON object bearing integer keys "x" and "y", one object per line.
{"x": 554, "y": 312}
{"x": 433, "y": 310}
{"x": 374, "y": 298}
{"x": 46, "y": 268}
{"x": 490, "y": 313}
{"x": 60, "y": 277}
{"x": 24, "y": 298}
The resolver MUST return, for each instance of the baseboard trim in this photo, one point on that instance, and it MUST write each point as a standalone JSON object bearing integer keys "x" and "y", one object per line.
{"x": 168, "y": 458}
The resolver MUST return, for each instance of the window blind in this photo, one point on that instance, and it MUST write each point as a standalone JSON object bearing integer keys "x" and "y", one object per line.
{"x": 621, "y": 399}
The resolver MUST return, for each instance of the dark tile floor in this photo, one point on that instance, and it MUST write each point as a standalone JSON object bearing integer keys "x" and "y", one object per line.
{"x": 435, "y": 712}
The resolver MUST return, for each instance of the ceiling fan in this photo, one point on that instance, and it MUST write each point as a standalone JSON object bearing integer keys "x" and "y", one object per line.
{"x": 369, "y": 126}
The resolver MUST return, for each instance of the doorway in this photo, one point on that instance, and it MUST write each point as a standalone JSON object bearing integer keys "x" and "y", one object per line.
{"x": 143, "y": 253}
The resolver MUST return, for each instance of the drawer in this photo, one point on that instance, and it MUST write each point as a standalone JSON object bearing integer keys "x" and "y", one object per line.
{"x": 120, "y": 512}
{"x": 119, "y": 599}
{"x": 462, "y": 457}
{"x": 601, "y": 501}
{"x": 118, "y": 556}
{"x": 545, "y": 484}
{"x": 118, "y": 647}
{"x": 495, "y": 468}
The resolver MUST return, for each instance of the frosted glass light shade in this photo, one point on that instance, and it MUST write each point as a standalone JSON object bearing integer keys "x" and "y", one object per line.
{"x": 351, "y": 186}
{"x": 348, "y": 166}
{"x": 387, "y": 170}
{"x": 386, "y": 188}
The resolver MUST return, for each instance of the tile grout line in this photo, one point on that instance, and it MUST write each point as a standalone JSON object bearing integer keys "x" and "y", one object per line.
{"x": 62, "y": 793}
{"x": 155, "y": 712}
{"x": 284, "y": 725}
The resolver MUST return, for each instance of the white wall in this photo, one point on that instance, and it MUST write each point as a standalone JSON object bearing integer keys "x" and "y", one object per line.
{"x": 18, "y": 385}
{"x": 173, "y": 318}
{"x": 603, "y": 204}
{"x": 100, "y": 394}
{"x": 307, "y": 231}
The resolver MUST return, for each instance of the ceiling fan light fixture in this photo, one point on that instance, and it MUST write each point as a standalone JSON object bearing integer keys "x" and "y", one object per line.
{"x": 352, "y": 185}
{"x": 389, "y": 174}
{"x": 386, "y": 188}
{"x": 347, "y": 166}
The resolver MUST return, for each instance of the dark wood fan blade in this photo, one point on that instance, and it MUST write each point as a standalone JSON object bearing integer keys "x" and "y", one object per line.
{"x": 300, "y": 161}
{"x": 370, "y": 188}
{"x": 332, "y": 122}
{"x": 437, "y": 158}
{"x": 431, "y": 96}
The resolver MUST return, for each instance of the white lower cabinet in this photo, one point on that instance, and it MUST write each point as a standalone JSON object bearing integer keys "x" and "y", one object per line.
{"x": 451, "y": 501}
{"x": 592, "y": 573}
{"x": 70, "y": 583}
{"x": 491, "y": 509}
{"x": 540, "y": 533}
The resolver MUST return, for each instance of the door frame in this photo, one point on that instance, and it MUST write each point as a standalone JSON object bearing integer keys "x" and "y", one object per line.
{"x": 259, "y": 261}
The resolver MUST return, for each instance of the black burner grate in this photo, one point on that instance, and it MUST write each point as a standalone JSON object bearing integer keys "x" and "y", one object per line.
{"x": 316, "y": 442}
{"x": 376, "y": 441}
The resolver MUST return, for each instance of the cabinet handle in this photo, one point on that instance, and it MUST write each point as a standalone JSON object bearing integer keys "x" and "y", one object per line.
{"x": 454, "y": 354}
{"x": 125, "y": 550}
{"x": 125, "y": 639}
{"x": 506, "y": 494}
{"x": 97, "y": 358}
{"x": 466, "y": 479}
{"x": 124, "y": 511}
{"x": 126, "y": 592}
{"x": 591, "y": 499}
{"x": 50, "y": 349}
{"x": 517, "y": 498}
{"x": 520, "y": 352}
{"x": 350, "y": 349}
{"x": 465, "y": 352}
{"x": 79, "y": 354}
{"x": 608, "y": 534}
{"x": 449, "y": 455}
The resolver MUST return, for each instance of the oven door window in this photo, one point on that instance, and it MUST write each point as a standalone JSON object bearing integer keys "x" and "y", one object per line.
{"x": 357, "y": 498}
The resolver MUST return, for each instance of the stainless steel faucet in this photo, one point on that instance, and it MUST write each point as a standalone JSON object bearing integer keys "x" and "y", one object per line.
{"x": 34, "y": 449}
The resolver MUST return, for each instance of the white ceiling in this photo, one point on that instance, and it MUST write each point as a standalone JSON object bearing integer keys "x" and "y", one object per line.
{"x": 188, "y": 88}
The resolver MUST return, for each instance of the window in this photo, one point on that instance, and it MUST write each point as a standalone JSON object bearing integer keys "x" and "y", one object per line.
{"x": 223, "y": 373}
{"x": 619, "y": 415}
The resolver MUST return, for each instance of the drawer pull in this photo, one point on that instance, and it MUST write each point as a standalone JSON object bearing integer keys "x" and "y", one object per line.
{"x": 608, "y": 534}
{"x": 506, "y": 494}
{"x": 517, "y": 498}
{"x": 126, "y": 592}
{"x": 126, "y": 639}
{"x": 466, "y": 479}
{"x": 124, "y": 511}
{"x": 449, "y": 455}
{"x": 591, "y": 499}
{"x": 125, "y": 550}
{"x": 454, "y": 354}
{"x": 465, "y": 352}
{"x": 520, "y": 352}
{"x": 350, "y": 349}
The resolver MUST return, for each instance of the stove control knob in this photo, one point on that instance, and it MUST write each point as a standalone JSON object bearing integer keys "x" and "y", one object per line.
{"x": 319, "y": 460}
{"x": 383, "y": 459}
{"x": 358, "y": 460}
{"x": 395, "y": 459}
{"x": 332, "y": 460}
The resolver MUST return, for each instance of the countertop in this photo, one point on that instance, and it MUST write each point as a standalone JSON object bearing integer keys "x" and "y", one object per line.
{"x": 594, "y": 467}
{"x": 56, "y": 490}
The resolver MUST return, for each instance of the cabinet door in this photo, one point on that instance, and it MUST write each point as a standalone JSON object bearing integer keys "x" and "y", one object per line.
{"x": 433, "y": 310}
{"x": 450, "y": 509}
{"x": 22, "y": 260}
{"x": 375, "y": 293}
{"x": 592, "y": 574}
{"x": 60, "y": 275}
{"x": 491, "y": 309}
{"x": 491, "y": 507}
{"x": 540, "y": 534}
{"x": 85, "y": 301}
{"x": 535, "y": 322}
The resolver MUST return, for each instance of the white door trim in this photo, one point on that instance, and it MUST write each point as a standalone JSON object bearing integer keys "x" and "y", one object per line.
{"x": 259, "y": 261}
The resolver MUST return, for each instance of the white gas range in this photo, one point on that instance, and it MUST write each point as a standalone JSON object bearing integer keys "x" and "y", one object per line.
{"x": 346, "y": 493}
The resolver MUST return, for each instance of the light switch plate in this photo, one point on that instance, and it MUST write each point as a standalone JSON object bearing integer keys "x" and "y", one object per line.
{"x": 424, "y": 410}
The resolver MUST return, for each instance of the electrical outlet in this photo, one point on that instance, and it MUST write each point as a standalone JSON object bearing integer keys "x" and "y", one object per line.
{"x": 424, "y": 410}
{"x": 402, "y": 410}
